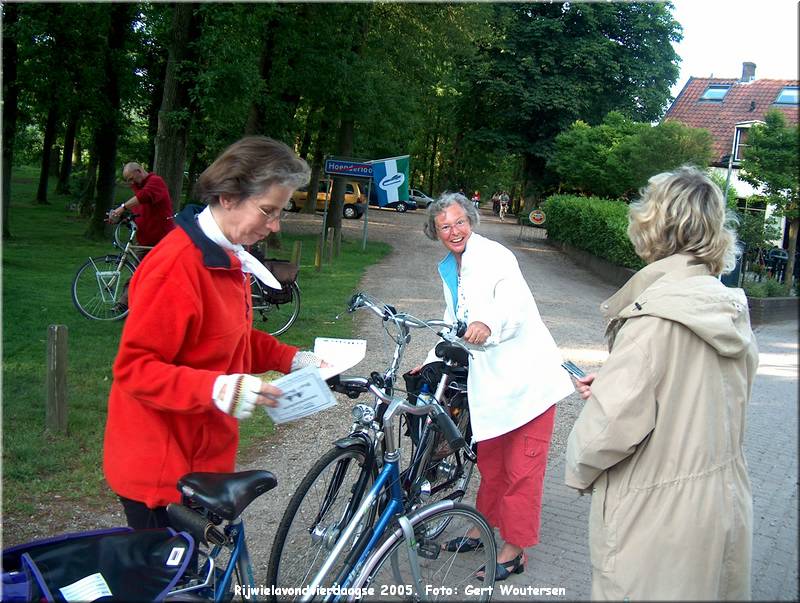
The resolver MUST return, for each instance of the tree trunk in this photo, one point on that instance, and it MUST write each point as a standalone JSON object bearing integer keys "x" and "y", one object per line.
{"x": 62, "y": 187}
{"x": 793, "y": 225}
{"x": 47, "y": 147}
{"x": 152, "y": 110}
{"x": 256, "y": 118}
{"x": 173, "y": 131}
{"x": 316, "y": 167}
{"x": 10, "y": 104}
{"x": 107, "y": 124}
{"x": 344, "y": 149}
{"x": 434, "y": 150}
{"x": 86, "y": 196}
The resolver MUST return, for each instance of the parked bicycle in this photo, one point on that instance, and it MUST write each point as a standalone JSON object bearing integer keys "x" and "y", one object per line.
{"x": 327, "y": 502}
{"x": 99, "y": 284}
{"x": 207, "y": 559}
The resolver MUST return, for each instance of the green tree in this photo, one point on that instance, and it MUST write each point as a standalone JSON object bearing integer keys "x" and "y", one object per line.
{"x": 771, "y": 163}
{"x": 547, "y": 65}
{"x": 10, "y": 102}
{"x": 616, "y": 158}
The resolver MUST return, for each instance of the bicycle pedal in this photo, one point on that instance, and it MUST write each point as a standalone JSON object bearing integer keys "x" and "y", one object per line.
{"x": 429, "y": 550}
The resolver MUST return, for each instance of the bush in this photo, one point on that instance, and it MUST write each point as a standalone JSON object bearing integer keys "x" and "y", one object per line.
{"x": 597, "y": 226}
{"x": 769, "y": 287}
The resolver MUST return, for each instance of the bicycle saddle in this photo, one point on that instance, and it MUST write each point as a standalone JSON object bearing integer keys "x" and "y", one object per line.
{"x": 226, "y": 494}
{"x": 451, "y": 351}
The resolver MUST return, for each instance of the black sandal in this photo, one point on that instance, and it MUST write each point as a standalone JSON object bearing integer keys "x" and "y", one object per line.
{"x": 504, "y": 570}
{"x": 463, "y": 545}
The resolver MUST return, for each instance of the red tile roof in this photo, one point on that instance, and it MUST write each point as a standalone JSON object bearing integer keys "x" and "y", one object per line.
{"x": 743, "y": 102}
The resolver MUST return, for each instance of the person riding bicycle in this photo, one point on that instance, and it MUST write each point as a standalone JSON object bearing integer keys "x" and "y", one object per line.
{"x": 515, "y": 378}
{"x": 184, "y": 372}
{"x": 152, "y": 198}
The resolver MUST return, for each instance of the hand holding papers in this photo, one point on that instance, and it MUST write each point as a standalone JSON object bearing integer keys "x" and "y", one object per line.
{"x": 304, "y": 393}
{"x": 341, "y": 354}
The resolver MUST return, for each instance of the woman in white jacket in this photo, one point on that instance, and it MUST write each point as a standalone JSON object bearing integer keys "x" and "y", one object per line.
{"x": 515, "y": 378}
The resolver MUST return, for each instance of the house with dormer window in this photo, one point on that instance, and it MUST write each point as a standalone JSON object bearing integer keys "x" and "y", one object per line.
{"x": 728, "y": 108}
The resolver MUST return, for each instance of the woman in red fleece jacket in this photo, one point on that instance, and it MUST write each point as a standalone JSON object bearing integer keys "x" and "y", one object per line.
{"x": 183, "y": 373}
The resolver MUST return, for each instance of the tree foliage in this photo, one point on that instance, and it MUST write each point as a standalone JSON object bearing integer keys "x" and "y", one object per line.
{"x": 771, "y": 163}
{"x": 475, "y": 92}
{"x": 617, "y": 157}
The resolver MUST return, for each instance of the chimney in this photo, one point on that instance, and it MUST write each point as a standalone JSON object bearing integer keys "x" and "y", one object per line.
{"x": 748, "y": 72}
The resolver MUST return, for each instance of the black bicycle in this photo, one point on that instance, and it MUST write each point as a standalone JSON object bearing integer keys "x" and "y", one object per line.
{"x": 332, "y": 490}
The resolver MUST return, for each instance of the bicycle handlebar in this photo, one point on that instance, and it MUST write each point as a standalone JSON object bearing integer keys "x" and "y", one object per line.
{"x": 387, "y": 312}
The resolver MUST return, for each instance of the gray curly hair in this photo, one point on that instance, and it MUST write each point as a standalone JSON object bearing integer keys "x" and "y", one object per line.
{"x": 441, "y": 204}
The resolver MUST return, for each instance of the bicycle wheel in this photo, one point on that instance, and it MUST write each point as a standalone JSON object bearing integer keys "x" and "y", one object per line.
{"x": 122, "y": 233}
{"x": 279, "y": 317}
{"x": 443, "y": 575}
{"x": 99, "y": 285}
{"x": 315, "y": 517}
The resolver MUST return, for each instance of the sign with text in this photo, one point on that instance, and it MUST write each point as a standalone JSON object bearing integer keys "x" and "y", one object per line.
{"x": 355, "y": 169}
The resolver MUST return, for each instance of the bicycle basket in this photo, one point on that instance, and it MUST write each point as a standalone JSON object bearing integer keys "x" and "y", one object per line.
{"x": 286, "y": 273}
{"x": 283, "y": 270}
{"x": 455, "y": 398}
{"x": 121, "y": 563}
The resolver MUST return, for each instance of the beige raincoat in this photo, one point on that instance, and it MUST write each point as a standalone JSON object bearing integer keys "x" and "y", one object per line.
{"x": 660, "y": 440}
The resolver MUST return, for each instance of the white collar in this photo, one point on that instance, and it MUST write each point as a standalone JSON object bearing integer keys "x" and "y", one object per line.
{"x": 208, "y": 224}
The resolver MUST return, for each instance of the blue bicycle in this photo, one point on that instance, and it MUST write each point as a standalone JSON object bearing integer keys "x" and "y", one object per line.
{"x": 329, "y": 539}
{"x": 205, "y": 558}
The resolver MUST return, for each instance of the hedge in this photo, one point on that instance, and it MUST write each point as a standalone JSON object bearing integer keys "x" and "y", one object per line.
{"x": 597, "y": 226}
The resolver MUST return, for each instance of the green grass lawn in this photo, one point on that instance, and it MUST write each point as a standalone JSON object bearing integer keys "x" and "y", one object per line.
{"x": 39, "y": 262}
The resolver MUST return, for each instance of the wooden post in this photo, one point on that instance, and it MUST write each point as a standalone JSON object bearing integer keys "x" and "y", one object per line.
{"x": 296, "y": 249}
{"x": 56, "y": 409}
{"x": 318, "y": 255}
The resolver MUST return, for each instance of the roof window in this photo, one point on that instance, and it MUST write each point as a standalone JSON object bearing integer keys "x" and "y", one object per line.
{"x": 788, "y": 96}
{"x": 715, "y": 92}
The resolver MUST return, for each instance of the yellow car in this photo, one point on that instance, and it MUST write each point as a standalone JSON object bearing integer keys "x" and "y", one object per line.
{"x": 353, "y": 199}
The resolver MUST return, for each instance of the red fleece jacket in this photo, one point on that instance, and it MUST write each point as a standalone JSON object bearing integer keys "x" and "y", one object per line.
{"x": 188, "y": 324}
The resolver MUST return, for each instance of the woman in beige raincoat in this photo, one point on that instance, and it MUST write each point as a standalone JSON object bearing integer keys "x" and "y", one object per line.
{"x": 659, "y": 441}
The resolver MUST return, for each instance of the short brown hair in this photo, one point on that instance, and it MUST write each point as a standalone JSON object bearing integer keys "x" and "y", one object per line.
{"x": 249, "y": 167}
{"x": 683, "y": 211}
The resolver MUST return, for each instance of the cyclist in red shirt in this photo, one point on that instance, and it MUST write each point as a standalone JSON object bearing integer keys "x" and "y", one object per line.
{"x": 151, "y": 196}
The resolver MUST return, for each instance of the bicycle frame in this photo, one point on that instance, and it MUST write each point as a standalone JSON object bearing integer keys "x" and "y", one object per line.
{"x": 217, "y": 580}
{"x": 388, "y": 479}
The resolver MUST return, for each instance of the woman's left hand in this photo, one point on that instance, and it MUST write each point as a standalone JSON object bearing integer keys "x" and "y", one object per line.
{"x": 477, "y": 333}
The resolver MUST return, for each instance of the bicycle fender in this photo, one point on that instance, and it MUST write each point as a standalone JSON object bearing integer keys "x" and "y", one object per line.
{"x": 354, "y": 439}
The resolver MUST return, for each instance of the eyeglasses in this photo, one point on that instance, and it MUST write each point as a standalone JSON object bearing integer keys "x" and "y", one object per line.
{"x": 273, "y": 214}
{"x": 445, "y": 228}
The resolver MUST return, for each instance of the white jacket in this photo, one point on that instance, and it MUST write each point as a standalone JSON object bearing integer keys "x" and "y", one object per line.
{"x": 516, "y": 375}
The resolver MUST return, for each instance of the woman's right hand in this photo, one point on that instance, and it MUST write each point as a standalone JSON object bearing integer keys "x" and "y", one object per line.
{"x": 584, "y": 384}
{"x": 416, "y": 369}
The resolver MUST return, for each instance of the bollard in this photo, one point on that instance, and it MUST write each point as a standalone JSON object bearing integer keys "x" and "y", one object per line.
{"x": 296, "y": 249}
{"x": 318, "y": 255}
{"x": 56, "y": 404}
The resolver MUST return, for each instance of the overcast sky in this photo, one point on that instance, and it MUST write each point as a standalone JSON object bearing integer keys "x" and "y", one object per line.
{"x": 720, "y": 35}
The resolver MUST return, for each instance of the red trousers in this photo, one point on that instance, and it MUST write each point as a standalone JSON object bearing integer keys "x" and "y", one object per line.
{"x": 512, "y": 475}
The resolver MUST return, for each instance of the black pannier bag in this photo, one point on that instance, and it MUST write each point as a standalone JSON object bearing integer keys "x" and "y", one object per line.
{"x": 455, "y": 397}
{"x": 286, "y": 274}
{"x": 119, "y": 564}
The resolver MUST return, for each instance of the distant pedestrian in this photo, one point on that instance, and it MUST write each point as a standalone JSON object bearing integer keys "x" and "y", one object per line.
{"x": 659, "y": 440}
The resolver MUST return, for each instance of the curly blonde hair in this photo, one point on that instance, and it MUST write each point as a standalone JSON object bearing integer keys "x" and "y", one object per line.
{"x": 683, "y": 211}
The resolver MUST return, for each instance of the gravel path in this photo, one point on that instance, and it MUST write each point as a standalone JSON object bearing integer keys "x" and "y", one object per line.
{"x": 568, "y": 298}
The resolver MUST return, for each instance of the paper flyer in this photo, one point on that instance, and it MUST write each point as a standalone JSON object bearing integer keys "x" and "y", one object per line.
{"x": 304, "y": 393}
{"x": 341, "y": 354}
